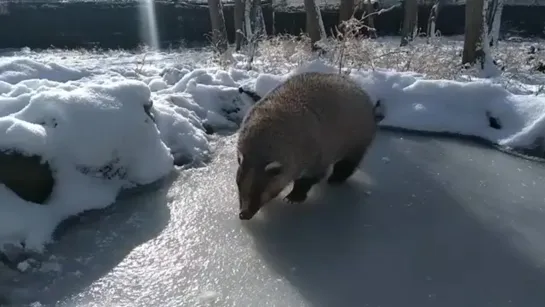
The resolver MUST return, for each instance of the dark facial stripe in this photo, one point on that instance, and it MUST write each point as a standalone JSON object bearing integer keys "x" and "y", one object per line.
{"x": 250, "y": 187}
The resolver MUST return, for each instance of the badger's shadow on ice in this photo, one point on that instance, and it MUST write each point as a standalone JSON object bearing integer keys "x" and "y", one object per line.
{"x": 400, "y": 240}
{"x": 324, "y": 203}
{"x": 89, "y": 245}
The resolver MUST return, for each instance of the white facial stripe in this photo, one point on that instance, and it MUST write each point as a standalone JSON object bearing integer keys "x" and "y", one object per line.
{"x": 272, "y": 165}
{"x": 240, "y": 157}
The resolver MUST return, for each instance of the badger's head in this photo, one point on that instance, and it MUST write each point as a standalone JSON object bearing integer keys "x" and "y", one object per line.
{"x": 258, "y": 183}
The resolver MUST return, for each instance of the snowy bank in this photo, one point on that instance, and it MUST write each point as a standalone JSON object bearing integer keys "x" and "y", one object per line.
{"x": 443, "y": 106}
{"x": 97, "y": 139}
{"x": 101, "y": 133}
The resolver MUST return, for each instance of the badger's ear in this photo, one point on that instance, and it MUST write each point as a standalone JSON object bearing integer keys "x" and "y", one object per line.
{"x": 274, "y": 168}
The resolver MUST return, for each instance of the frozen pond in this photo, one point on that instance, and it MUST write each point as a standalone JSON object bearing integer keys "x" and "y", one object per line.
{"x": 424, "y": 223}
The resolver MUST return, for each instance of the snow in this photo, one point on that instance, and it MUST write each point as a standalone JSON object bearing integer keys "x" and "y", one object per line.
{"x": 23, "y": 265}
{"x": 84, "y": 112}
{"x": 22, "y": 69}
{"x": 80, "y": 130}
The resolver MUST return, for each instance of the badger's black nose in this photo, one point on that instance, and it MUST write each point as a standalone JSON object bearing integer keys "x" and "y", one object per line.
{"x": 245, "y": 215}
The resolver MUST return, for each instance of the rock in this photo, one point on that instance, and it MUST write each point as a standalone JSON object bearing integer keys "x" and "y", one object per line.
{"x": 208, "y": 129}
{"x": 27, "y": 176}
{"x": 493, "y": 122}
{"x": 540, "y": 66}
{"x": 147, "y": 109}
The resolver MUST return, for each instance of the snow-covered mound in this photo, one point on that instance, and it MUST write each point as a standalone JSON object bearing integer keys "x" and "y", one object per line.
{"x": 87, "y": 118}
{"x": 198, "y": 101}
{"x": 97, "y": 137}
{"x": 20, "y": 69}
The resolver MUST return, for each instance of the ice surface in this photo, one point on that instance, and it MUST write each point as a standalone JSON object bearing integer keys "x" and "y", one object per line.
{"x": 83, "y": 113}
{"x": 439, "y": 211}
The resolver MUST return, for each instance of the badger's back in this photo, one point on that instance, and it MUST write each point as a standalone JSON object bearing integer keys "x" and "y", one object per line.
{"x": 308, "y": 110}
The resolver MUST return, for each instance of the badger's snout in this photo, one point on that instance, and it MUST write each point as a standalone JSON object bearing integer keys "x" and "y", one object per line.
{"x": 247, "y": 210}
{"x": 246, "y": 214}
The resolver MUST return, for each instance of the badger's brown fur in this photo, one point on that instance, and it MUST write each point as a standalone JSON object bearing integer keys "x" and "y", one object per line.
{"x": 296, "y": 132}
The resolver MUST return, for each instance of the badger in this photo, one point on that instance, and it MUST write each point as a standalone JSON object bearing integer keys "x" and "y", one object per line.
{"x": 296, "y": 132}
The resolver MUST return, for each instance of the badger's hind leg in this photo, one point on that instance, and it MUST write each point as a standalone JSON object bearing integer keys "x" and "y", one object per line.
{"x": 344, "y": 168}
{"x": 302, "y": 186}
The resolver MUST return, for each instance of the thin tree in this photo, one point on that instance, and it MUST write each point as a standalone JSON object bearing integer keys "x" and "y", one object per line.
{"x": 219, "y": 32}
{"x": 473, "y": 31}
{"x": 495, "y": 9}
{"x": 432, "y": 20}
{"x": 370, "y": 20}
{"x": 314, "y": 23}
{"x": 410, "y": 21}
{"x": 239, "y": 23}
{"x": 476, "y": 42}
{"x": 254, "y": 24}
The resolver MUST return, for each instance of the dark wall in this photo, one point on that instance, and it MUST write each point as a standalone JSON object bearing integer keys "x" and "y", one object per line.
{"x": 527, "y": 21}
{"x": 106, "y": 25}
{"x": 117, "y": 24}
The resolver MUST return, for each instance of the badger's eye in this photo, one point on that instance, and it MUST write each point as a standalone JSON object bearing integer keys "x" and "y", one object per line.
{"x": 274, "y": 172}
{"x": 239, "y": 158}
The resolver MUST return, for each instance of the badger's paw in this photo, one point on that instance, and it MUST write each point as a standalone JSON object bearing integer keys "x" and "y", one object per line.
{"x": 295, "y": 197}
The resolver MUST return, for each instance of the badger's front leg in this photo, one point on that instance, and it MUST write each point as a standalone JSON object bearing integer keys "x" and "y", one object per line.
{"x": 302, "y": 185}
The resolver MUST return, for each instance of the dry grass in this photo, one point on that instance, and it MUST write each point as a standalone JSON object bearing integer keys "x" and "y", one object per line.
{"x": 438, "y": 59}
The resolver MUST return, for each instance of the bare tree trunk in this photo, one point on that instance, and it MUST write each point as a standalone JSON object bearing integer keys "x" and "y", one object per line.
{"x": 248, "y": 19}
{"x": 473, "y": 31}
{"x": 432, "y": 19}
{"x": 253, "y": 20}
{"x": 261, "y": 19}
{"x": 255, "y": 26}
{"x": 488, "y": 65}
{"x": 370, "y": 20}
{"x": 495, "y": 9}
{"x": 239, "y": 23}
{"x": 315, "y": 25}
{"x": 345, "y": 10}
{"x": 219, "y": 33}
{"x": 476, "y": 43}
{"x": 258, "y": 21}
{"x": 410, "y": 21}
{"x": 273, "y": 22}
